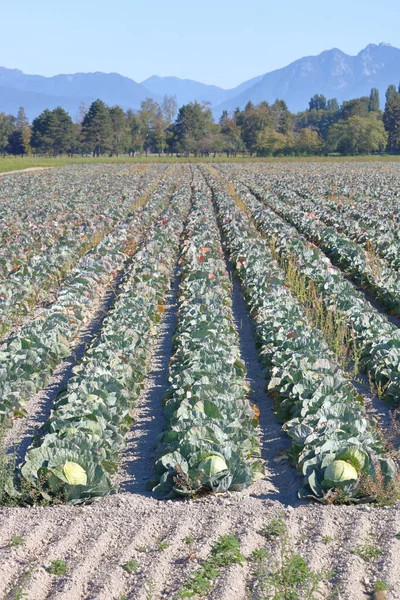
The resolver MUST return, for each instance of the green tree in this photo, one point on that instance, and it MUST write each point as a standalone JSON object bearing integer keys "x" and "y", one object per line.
{"x": 24, "y": 128}
{"x": 42, "y": 128}
{"x": 119, "y": 126}
{"x": 357, "y": 135}
{"x": 20, "y": 137}
{"x": 374, "y": 104}
{"x": 357, "y": 107}
{"x": 224, "y": 117}
{"x": 97, "y": 128}
{"x": 7, "y": 125}
{"x": 318, "y": 120}
{"x": 253, "y": 121}
{"x": 232, "y": 136}
{"x": 391, "y": 120}
{"x": 53, "y": 132}
{"x": 332, "y": 105}
{"x": 270, "y": 142}
{"x": 281, "y": 116}
{"x": 134, "y": 136}
{"x": 151, "y": 117}
{"x": 308, "y": 141}
{"x": 193, "y": 122}
{"x": 390, "y": 92}
{"x": 317, "y": 102}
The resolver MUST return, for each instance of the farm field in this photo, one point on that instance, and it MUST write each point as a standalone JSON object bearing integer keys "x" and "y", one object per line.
{"x": 199, "y": 381}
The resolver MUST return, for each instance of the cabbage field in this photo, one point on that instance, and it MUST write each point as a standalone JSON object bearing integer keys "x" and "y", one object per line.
{"x": 200, "y": 381}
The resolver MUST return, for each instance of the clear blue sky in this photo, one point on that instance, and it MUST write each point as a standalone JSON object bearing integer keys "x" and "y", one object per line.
{"x": 215, "y": 41}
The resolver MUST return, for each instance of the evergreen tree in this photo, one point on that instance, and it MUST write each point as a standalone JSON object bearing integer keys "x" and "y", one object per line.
{"x": 391, "y": 120}
{"x": 119, "y": 125}
{"x": 374, "y": 104}
{"x": 97, "y": 128}
{"x": 332, "y": 105}
{"x": 7, "y": 124}
{"x": 390, "y": 92}
{"x": 19, "y": 139}
{"x": 224, "y": 117}
{"x": 317, "y": 102}
{"x": 53, "y": 132}
{"x": 194, "y": 121}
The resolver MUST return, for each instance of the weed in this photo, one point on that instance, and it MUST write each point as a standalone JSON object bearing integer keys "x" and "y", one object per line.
{"x": 327, "y": 539}
{"x": 329, "y": 320}
{"x": 225, "y": 551}
{"x": 189, "y": 540}
{"x": 7, "y": 467}
{"x": 380, "y": 586}
{"x": 131, "y": 566}
{"x": 16, "y": 540}
{"x": 143, "y": 549}
{"x": 274, "y": 529}
{"x": 259, "y": 555}
{"x": 57, "y": 567}
{"x": 367, "y": 552}
{"x": 384, "y": 493}
{"x": 163, "y": 545}
{"x": 150, "y": 590}
{"x": 18, "y": 592}
{"x": 288, "y": 576}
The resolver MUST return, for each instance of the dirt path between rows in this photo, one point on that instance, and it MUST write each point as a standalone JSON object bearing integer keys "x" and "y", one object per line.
{"x": 138, "y": 460}
{"x": 26, "y": 170}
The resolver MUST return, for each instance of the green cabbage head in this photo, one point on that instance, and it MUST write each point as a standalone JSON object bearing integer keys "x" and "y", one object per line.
{"x": 212, "y": 465}
{"x": 354, "y": 457}
{"x": 74, "y": 473}
{"x": 339, "y": 474}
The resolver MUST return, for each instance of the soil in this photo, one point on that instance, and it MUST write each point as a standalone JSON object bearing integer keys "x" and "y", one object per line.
{"x": 26, "y": 170}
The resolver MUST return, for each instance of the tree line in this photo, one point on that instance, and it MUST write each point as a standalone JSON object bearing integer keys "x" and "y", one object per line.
{"x": 358, "y": 126}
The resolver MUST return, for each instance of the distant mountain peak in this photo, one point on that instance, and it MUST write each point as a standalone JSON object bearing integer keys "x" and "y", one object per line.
{"x": 332, "y": 73}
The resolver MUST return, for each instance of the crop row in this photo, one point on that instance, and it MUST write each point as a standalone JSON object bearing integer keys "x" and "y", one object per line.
{"x": 382, "y": 281}
{"x": 334, "y": 443}
{"x": 370, "y": 230}
{"x": 210, "y": 436}
{"x": 29, "y": 283}
{"x": 35, "y": 212}
{"x": 378, "y": 340}
{"x": 29, "y": 357}
{"x": 77, "y": 449}
{"x": 364, "y": 189}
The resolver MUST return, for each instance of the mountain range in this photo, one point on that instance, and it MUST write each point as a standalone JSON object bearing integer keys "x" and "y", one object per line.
{"x": 332, "y": 73}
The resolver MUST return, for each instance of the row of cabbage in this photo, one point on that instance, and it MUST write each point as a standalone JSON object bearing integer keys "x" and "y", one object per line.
{"x": 29, "y": 357}
{"x": 334, "y": 443}
{"x": 377, "y": 275}
{"x": 21, "y": 289}
{"x": 210, "y": 436}
{"x": 36, "y": 210}
{"x": 377, "y": 339}
{"x": 366, "y": 222}
{"x": 363, "y": 187}
{"x": 76, "y": 452}
{"x": 375, "y": 234}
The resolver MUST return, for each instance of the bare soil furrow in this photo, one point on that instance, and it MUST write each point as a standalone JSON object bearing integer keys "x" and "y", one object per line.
{"x": 137, "y": 461}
